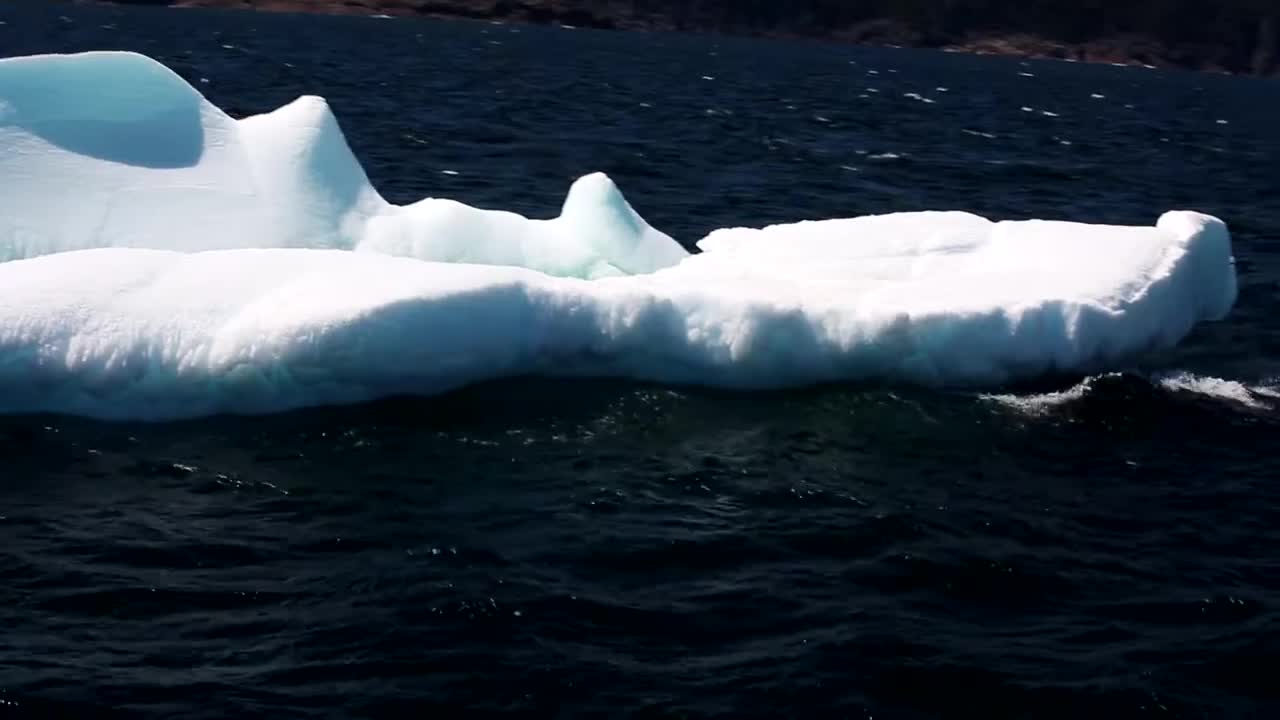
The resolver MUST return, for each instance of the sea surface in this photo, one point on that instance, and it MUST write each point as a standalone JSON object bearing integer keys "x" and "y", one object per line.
{"x": 1087, "y": 547}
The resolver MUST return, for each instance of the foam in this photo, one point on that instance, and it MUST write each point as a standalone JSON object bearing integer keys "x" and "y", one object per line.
{"x": 1270, "y": 390}
{"x": 1254, "y": 397}
{"x": 248, "y": 266}
{"x": 1041, "y": 404}
{"x": 1219, "y": 389}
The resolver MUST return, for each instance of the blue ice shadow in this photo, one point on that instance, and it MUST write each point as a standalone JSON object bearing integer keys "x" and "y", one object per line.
{"x": 117, "y": 107}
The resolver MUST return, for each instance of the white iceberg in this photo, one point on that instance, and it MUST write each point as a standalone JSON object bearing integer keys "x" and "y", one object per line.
{"x": 112, "y": 149}
{"x": 248, "y": 266}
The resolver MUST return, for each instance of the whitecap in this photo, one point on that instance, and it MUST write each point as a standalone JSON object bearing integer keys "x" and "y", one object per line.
{"x": 1216, "y": 388}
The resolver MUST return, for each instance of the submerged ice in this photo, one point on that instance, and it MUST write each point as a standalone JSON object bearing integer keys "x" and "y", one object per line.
{"x": 159, "y": 259}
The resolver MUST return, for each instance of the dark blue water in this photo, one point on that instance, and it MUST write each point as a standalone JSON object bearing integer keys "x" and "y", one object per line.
{"x": 584, "y": 549}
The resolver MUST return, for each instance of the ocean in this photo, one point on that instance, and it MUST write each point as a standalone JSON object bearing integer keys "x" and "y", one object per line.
{"x": 1101, "y": 546}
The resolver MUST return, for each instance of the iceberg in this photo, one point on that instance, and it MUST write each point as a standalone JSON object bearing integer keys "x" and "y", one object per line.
{"x": 160, "y": 260}
{"x": 113, "y": 149}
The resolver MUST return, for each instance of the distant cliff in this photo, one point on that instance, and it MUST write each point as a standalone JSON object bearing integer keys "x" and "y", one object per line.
{"x": 1240, "y": 36}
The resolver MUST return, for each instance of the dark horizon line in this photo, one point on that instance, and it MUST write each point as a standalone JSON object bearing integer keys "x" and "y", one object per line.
{"x": 1129, "y": 48}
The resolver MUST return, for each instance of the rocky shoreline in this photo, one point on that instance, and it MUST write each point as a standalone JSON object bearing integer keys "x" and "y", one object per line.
{"x": 1130, "y": 48}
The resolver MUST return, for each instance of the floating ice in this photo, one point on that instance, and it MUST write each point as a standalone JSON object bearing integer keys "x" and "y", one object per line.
{"x": 115, "y": 150}
{"x": 168, "y": 261}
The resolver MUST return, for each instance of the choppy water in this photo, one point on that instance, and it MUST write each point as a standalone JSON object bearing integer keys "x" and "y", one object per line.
{"x": 1104, "y": 546}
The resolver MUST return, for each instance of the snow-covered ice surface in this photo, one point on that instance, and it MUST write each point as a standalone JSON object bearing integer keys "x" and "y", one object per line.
{"x": 163, "y": 260}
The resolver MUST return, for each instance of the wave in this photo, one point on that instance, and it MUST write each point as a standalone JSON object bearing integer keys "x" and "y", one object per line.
{"x": 1260, "y": 396}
